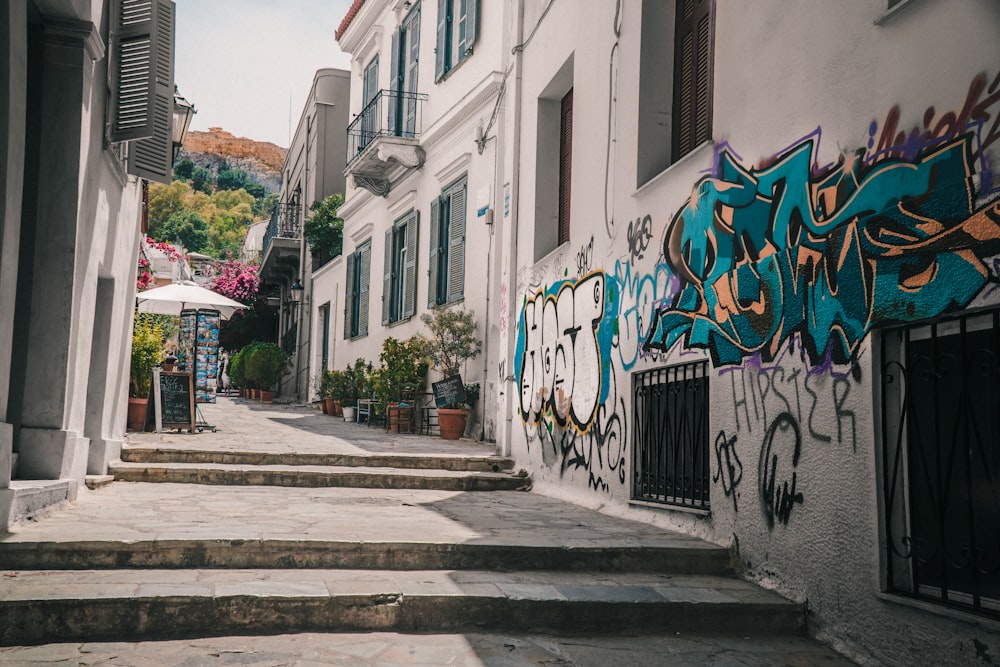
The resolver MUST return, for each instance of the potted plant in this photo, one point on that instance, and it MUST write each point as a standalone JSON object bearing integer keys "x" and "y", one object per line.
{"x": 452, "y": 340}
{"x": 402, "y": 370}
{"x": 237, "y": 370}
{"x": 354, "y": 386}
{"x": 265, "y": 366}
{"x": 336, "y": 392}
{"x": 324, "y": 231}
{"x": 147, "y": 354}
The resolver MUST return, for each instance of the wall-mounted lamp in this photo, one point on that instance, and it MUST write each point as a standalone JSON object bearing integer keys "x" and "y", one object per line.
{"x": 407, "y": 5}
{"x": 182, "y": 114}
{"x": 296, "y": 291}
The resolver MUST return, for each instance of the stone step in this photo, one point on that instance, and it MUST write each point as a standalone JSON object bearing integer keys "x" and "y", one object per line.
{"x": 40, "y": 606}
{"x": 136, "y": 454}
{"x": 317, "y": 476}
{"x": 485, "y": 554}
{"x": 25, "y": 497}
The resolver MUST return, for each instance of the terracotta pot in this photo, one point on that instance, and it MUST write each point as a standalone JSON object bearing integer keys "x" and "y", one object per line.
{"x": 451, "y": 423}
{"x": 136, "y": 414}
{"x": 254, "y": 394}
{"x": 338, "y": 409}
{"x": 266, "y": 396}
{"x": 169, "y": 367}
{"x": 327, "y": 405}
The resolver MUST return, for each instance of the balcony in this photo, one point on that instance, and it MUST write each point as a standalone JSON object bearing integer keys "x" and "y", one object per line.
{"x": 383, "y": 140}
{"x": 282, "y": 242}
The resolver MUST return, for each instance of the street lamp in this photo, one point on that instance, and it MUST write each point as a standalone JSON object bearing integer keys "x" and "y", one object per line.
{"x": 296, "y": 291}
{"x": 183, "y": 111}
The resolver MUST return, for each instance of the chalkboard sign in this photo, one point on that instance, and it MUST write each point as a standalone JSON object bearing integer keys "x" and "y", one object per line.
{"x": 173, "y": 401}
{"x": 448, "y": 391}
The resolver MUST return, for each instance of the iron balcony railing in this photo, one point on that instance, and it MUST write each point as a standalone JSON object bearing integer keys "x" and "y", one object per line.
{"x": 941, "y": 461}
{"x": 286, "y": 223}
{"x": 671, "y": 464}
{"x": 390, "y": 113}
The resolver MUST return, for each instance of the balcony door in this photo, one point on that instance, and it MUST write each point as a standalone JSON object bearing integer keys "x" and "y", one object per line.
{"x": 405, "y": 61}
{"x": 369, "y": 90}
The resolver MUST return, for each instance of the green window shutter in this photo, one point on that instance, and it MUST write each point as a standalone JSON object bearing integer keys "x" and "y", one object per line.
{"x": 440, "y": 60}
{"x": 350, "y": 325}
{"x": 410, "y": 268}
{"x": 151, "y": 157}
{"x": 365, "y": 268}
{"x": 456, "y": 244}
{"x": 394, "y": 82}
{"x": 387, "y": 280}
{"x": 435, "y": 254}
{"x": 471, "y": 19}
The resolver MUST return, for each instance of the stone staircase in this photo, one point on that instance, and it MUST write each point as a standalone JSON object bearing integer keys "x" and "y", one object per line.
{"x": 261, "y": 543}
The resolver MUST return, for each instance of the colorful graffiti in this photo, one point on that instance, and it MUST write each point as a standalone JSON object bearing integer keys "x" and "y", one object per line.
{"x": 767, "y": 253}
{"x": 568, "y": 392}
{"x": 640, "y": 294}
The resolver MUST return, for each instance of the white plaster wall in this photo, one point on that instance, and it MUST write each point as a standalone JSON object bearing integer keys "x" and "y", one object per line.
{"x": 328, "y": 290}
{"x": 457, "y": 111}
{"x": 781, "y": 71}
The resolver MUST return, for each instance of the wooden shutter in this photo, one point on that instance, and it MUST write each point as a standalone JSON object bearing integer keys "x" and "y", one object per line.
{"x": 435, "y": 254}
{"x": 441, "y": 46}
{"x": 387, "y": 271}
{"x": 134, "y": 78}
{"x": 410, "y": 266}
{"x": 151, "y": 157}
{"x": 350, "y": 324}
{"x": 394, "y": 84}
{"x": 456, "y": 243}
{"x": 471, "y": 18}
{"x": 365, "y": 268}
{"x": 692, "y": 75}
{"x": 565, "y": 164}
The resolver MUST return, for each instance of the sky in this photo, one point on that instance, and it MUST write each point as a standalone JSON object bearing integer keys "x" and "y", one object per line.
{"x": 247, "y": 65}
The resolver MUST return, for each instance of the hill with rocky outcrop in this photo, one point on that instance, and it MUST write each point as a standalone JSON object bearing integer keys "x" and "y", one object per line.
{"x": 261, "y": 160}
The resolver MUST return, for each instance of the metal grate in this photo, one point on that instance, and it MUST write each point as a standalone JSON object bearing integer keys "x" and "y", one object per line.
{"x": 671, "y": 464}
{"x": 941, "y": 461}
{"x": 375, "y": 120}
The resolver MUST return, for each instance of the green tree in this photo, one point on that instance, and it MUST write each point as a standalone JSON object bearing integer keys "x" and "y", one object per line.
{"x": 263, "y": 208}
{"x": 165, "y": 200}
{"x": 231, "y": 179}
{"x": 324, "y": 231}
{"x": 184, "y": 168}
{"x": 185, "y": 227}
{"x": 256, "y": 190}
{"x": 201, "y": 179}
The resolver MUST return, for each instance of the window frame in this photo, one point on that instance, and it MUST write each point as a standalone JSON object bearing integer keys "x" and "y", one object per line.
{"x": 399, "y": 272}
{"x": 357, "y": 288}
{"x": 565, "y": 166}
{"x": 446, "y": 256}
{"x": 457, "y": 32}
{"x": 700, "y": 25}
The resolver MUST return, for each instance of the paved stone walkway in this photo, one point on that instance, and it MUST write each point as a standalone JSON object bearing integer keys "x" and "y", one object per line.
{"x": 470, "y": 650}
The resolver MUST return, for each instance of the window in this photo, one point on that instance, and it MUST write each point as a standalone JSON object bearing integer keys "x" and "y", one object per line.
{"x": 565, "y": 163}
{"x": 399, "y": 294}
{"x": 324, "y": 314}
{"x": 553, "y": 161}
{"x": 940, "y": 461}
{"x": 356, "y": 304}
{"x": 671, "y": 464}
{"x": 456, "y": 33}
{"x": 447, "y": 255}
{"x": 675, "y": 82}
{"x": 403, "y": 65}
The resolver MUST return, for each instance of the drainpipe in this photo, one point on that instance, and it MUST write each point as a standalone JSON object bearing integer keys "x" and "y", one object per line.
{"x": 512, "y": 262}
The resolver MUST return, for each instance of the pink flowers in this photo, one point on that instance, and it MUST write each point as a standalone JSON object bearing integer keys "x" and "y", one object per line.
{"x": 167, "y": 249}
{"x": 235, "y": 279}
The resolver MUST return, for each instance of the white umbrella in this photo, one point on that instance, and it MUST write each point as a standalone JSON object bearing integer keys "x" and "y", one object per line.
{"x": 173, "y": 298}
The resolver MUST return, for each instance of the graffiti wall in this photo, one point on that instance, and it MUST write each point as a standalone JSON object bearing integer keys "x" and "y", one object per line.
{"x": 778, "y": 269}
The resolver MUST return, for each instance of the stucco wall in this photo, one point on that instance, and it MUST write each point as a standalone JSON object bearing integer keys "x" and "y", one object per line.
{"x": 809, "y": 99}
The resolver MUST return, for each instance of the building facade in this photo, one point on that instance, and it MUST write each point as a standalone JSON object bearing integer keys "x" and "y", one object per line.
{"x": 424, "y": 169}
{"x": 749, "y": 293}
{"x": 313, "y": 171}
{"x": 85, "y": 112}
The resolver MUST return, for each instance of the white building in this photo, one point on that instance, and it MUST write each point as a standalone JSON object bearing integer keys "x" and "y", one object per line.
{"x": 424, "y": 159}
{"x": 313, "y": 170}
{"x": 750, "y": 293}
{"x": 85, "y": 112}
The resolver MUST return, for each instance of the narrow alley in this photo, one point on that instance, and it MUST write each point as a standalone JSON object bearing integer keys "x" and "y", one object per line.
{"x": 410, "y": 550}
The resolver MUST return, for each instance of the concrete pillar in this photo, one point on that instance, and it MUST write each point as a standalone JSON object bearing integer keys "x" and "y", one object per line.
{"x": 13, "y": 85}
{"x": 48, "y": 448}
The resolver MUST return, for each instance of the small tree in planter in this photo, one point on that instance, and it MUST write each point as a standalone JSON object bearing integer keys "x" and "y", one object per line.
{"x": 333, "y": 392}
{"x": 265, "y": 366}
{"x": 147, "y": 354}
{"x": 453, "y": 340}
{"x": 355, "y": 384}
{"x": 237, "y": 369}
{"x": 403, "y": 367}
